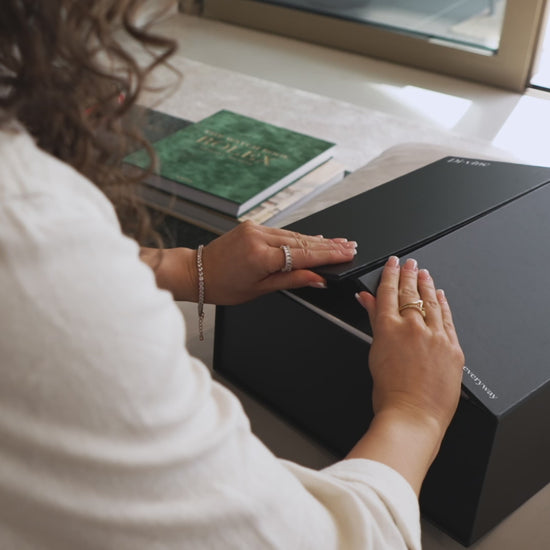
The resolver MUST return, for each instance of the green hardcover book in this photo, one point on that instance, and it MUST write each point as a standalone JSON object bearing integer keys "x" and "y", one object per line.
{"x": 231, "y": 162}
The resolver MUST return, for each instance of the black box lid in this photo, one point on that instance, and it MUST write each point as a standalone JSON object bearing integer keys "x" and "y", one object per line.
{"x": 416, "y": 208}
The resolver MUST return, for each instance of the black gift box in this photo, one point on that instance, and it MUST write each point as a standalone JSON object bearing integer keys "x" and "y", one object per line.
{"x": 304, "y": 353}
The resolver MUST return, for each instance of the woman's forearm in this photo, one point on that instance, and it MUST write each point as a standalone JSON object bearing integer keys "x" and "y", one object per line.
{"x": 407, "y": 445}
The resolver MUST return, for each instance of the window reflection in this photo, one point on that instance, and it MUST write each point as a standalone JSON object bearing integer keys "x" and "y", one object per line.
{"x": 444, "y": 110}
{"x": 463, "y": 23}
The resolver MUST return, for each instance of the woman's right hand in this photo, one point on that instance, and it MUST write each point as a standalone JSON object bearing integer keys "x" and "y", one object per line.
{"x": 416, "y": 364}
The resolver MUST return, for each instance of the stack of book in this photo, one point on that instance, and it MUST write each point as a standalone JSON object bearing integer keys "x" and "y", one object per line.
{"x": 228, "y": 168}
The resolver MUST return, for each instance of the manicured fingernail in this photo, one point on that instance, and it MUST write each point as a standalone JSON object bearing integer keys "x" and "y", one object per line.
{"x": 424, "y": 274}
{"x": 340, "y": 240}
{"x": 318, "y": 284}
{"x": 358, "y": 298}
{"x": 411, "y": 264}
{"x": 441, "y": 295}
{"x": 393, "y": 261}
{"x": 351, "y": 244}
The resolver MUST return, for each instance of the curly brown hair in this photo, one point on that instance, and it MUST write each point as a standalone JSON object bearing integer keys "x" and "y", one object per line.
{"x": 63, "y": 71}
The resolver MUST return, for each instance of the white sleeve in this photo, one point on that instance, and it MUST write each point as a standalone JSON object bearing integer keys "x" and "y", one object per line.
{"x": 113, "y": 437}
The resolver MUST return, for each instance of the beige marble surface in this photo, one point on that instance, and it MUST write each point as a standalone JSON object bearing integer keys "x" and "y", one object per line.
{"x": 360, "y": 133}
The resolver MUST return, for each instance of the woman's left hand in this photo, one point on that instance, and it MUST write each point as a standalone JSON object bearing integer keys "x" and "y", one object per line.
{"x": 247, "y": 261}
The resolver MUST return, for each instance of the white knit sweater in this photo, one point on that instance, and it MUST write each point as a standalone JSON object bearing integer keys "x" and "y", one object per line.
{"x": 111, "y": 435}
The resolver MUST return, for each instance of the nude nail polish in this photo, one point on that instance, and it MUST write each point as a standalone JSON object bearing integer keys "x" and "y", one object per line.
{"x": 411, "y": 263}
{"x": 319, "y": 284}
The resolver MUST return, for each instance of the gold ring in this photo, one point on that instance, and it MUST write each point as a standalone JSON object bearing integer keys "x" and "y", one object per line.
{"x": 418, "y": 305}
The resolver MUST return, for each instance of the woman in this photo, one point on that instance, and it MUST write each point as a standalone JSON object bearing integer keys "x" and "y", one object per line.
{"x": 111, "y": 435}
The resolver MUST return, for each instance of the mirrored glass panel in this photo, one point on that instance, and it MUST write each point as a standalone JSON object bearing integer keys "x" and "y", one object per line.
{"x": 469, "y": 24}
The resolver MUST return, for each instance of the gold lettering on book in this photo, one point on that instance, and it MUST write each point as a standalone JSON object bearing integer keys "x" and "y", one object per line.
{"x": 237, "y": 149}
{"x": 208, "y": 140}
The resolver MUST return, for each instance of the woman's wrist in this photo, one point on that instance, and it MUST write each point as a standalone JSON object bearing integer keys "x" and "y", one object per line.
{"x": 406, "y": 443}
{"x": 176, "y": 271}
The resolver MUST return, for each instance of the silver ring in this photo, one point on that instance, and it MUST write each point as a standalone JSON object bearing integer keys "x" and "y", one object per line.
{"x": 288, "y": 259}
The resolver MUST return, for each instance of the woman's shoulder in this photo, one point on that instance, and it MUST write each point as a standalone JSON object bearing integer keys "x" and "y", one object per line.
{"x": 26, "y": 172}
